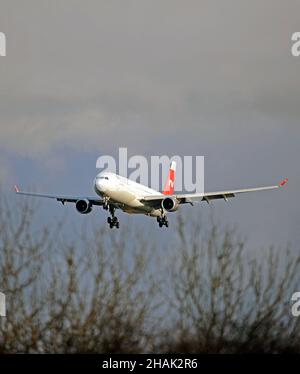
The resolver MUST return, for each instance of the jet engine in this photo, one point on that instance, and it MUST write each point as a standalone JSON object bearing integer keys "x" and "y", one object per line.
{"x": 84, "y": 206}
{"x": 169, "y": 204}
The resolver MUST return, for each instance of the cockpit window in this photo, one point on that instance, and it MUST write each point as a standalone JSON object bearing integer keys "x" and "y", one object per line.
{"x": 102, "y": 178}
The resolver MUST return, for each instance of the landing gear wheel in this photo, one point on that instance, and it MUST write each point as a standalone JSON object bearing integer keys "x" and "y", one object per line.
{"x": 163, "y": 221}
{"x": 112, "y": 221}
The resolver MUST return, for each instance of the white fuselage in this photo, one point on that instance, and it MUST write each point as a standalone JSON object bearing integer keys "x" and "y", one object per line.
{"x": 126, "y": 193}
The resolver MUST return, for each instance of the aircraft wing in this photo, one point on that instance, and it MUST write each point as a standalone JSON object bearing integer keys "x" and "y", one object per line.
{"x": 207, "y": 196}
{"x": 62, "y": 198}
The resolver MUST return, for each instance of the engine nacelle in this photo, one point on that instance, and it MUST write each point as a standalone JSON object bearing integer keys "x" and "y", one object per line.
{"x": 84, "y": 206}
{"x": 169, "y": 204}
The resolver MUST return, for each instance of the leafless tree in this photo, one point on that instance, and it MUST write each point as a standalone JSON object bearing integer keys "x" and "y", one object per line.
{"x": 93, "y": 295}
{"x": 227, "y": 299}
{"x": 110, "y": 291}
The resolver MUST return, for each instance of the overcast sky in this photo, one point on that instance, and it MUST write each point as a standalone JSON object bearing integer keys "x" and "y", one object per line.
{"x": 212, "y": 78}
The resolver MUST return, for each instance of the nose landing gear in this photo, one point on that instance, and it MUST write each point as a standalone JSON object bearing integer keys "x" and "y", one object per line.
{"x": 113, "y": 220}
{"x": 105, "y": 203}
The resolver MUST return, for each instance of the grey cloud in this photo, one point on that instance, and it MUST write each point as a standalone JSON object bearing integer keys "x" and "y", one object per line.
{"x": 203, "y": 65}
{"x": 178, "y": 77}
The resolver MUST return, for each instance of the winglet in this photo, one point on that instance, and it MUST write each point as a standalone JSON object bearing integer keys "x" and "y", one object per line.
{"x": 282, "y": 183}
{"x": 16, "y": 188}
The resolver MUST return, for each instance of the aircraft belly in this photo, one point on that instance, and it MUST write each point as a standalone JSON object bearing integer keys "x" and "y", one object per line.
{"x": 127, "y": 198}
{"x": 131, "y": 204}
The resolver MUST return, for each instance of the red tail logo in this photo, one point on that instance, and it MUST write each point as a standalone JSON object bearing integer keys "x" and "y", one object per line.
{"x": 169, "y": 186}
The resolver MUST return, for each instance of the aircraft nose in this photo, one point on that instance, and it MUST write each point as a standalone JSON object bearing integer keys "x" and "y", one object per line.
{"x": 101, "y": 185}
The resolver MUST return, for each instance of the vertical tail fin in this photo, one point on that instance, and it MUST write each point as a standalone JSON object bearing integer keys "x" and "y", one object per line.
{"x": 169, "y": 186}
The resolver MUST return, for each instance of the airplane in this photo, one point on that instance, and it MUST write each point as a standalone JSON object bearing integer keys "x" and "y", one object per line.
{"x": 117, "y": 192}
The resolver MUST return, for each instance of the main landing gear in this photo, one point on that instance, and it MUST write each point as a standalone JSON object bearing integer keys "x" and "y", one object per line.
{"x": 113, "y": 220}
{"x": 162, "y": 221}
